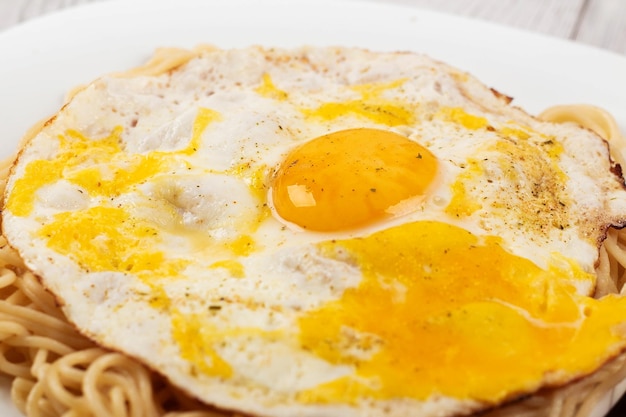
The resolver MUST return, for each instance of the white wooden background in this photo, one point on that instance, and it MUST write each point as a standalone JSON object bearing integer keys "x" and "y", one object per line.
{"x": 600, "y": 23}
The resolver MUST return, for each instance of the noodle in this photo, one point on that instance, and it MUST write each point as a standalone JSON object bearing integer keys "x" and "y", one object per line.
{"x": 58, "y": 372}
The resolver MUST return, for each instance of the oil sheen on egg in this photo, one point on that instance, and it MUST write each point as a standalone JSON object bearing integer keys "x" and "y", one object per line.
{"x": 324, "y": 232}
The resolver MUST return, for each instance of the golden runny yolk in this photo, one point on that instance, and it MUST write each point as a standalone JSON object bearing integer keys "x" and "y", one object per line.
{"x": 349, "y": 178}
{"x": 440, "y": 311}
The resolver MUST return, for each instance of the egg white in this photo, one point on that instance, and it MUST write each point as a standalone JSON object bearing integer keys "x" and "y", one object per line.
{"x": 206, "y": 200}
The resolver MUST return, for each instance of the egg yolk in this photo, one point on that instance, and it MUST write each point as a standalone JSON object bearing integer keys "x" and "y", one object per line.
{"x": 441, "y": 311}
{"x": 350, "y": 178}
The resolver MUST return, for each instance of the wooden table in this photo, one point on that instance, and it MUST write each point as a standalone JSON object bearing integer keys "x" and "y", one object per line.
{"x": 600, "y": 23}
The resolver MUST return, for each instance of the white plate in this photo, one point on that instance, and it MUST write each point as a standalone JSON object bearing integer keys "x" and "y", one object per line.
{"x": 44, "y": 58}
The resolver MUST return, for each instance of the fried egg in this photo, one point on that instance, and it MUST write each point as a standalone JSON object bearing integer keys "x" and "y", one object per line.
{"x": 324, "y": 232}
